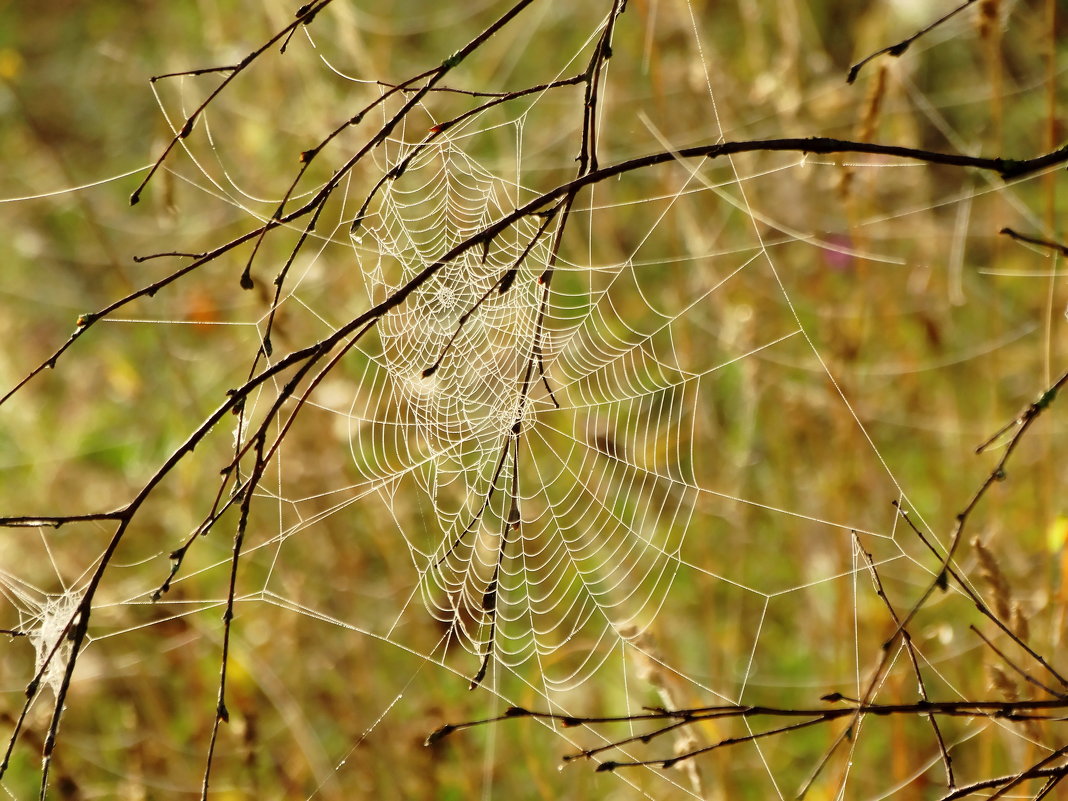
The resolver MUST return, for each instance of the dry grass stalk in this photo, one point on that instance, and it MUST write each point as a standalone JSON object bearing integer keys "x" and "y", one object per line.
{"x": 869, "y": 120}
{"x": 1011, "y": 613}
{"x": 873, "y": 105}
{"x": 1018, "y": 622}
{"x": 650, "y": 669}
{"x": 991, "y": 574}
{"x": 989, "y": 18}
{"x": 1000, "y": 681}
{"x": 1010, "y": 691}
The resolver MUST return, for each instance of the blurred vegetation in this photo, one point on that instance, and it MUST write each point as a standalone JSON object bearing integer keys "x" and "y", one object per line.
{"x": 936, "y": 329}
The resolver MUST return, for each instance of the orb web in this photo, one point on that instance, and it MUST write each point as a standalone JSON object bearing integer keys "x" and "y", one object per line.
{"x": 556, "y": 462}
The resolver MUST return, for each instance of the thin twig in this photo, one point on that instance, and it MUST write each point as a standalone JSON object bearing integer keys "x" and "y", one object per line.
{"x": 943, "y": 751}
{"x": 995, "y": 709}
{"x": 1042, "y": 243}
{"x": 222, "y": 713}
{"x": 304, "y": 16}
{"x": 983, "y": 609}
{"x": 896, "y": 50}
{"x": 1007, "y": 783}
{"x": 1016, "y": 668}
{"x": 178, "y": 253}
{"x": 1023, "y": 422}
{"x": 47, "y": 521}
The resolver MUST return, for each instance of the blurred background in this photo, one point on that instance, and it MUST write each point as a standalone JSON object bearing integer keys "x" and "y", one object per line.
{"x": 753, "y": 359}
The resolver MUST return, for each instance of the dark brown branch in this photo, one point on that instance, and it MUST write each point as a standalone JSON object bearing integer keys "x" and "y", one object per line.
{"x": 482, "y": 509}
{"x": 194, "y": 73}
{"x": 1007, "y": 710}
{"x": 501, "y": 285}
{"x": 590, "y": 173}
{"x": 490, "y": 598}
{"x": 1050, "y": 785}
{"x": 32, "y": 521}
{"x": 1007, "y": 168}
{"x": 439, "y": 128}
{"x": 306, "y": 159}
{"x": 1000, "y": 781}
{"x": 587, "y": 161}
{"x": 994, "y": 709}
{"x": 76, "y": 629}
{"x": 87, "y": 321}
{"x": 317, "y": 203}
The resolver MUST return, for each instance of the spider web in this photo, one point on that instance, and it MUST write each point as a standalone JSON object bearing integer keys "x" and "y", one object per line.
{"x": 596, "y": 538}
{"x": 617, "y": 482}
